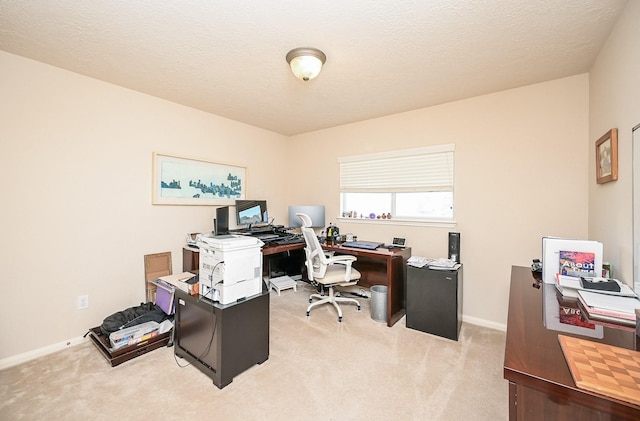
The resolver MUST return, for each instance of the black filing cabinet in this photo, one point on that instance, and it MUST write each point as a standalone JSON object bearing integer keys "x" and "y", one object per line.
{"x": 434, "y": 301}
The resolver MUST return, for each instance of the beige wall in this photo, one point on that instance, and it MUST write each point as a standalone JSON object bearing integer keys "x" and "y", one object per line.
{"x": 76, "y": 167}
{"x": 521, "y": 173}
{"x": 80, "y": 218}
{"x": 77, "y": 218}
{"x": 614, "y": 85}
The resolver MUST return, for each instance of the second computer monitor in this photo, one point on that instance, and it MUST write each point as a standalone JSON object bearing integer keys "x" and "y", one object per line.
{"x": 249, "y": 212}
{"x": 221, "y": 223}
{"x": 316, "y": 213}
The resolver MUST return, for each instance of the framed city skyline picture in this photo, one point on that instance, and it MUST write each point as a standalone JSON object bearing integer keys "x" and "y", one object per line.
{"x": 186, "y": 181}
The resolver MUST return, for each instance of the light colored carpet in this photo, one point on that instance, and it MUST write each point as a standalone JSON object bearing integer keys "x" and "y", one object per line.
{"x": 318, "y": 369}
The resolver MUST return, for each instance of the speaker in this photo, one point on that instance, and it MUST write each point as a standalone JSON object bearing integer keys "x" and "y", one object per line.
{"x": 454, "y": 246}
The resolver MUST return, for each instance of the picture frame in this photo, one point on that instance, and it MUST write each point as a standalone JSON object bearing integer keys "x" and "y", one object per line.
{"x": 607, "y": 157}
{"x": 186, "y": 181}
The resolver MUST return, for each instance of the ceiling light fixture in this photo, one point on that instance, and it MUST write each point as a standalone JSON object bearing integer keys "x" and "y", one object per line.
{"x": 306, "y": 62}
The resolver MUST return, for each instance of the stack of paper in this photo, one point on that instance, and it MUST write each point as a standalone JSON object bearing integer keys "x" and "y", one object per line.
{"x": 418, "y": 262}
{"x": 178, "y": 280}
{"x": 609, "y": 308}
{"x": 444, "y": 264}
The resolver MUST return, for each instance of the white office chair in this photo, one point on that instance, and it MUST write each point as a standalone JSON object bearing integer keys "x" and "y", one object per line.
{"x": 329, "y": 271}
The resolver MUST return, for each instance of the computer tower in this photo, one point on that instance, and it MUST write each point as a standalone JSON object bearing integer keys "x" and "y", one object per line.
{"x": 454, "y": 246}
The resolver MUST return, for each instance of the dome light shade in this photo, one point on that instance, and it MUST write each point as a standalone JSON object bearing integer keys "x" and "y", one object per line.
{"x": 306, "y": 62}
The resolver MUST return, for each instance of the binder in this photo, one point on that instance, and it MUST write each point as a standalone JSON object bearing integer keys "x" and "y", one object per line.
{"x": 164, "y": 295}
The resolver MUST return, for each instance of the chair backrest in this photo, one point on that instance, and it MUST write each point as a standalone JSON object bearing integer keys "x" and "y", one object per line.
{"x": 316, "y": 260}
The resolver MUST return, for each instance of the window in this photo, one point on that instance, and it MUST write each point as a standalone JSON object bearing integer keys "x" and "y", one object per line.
{"x": 408, "y": 185}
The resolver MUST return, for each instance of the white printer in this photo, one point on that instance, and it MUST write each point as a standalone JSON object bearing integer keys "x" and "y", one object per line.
{"x": 230, "y": 267}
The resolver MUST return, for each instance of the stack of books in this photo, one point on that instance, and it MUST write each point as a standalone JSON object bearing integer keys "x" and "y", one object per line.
{"x": 613, "y": 307}
{"x": 607, "y": 309}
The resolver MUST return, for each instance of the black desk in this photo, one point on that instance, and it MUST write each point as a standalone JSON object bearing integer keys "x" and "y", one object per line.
{"x": 222, "y": 341}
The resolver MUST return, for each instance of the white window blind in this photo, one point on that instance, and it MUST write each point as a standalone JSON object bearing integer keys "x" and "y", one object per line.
{"x": 421, "y": 169}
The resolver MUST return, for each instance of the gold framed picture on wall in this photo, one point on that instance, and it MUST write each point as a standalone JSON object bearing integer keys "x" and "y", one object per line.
{"x": 607, "y": 157}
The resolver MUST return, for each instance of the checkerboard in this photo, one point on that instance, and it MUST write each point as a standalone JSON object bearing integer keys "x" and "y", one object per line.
{"x": 602, "y": 368}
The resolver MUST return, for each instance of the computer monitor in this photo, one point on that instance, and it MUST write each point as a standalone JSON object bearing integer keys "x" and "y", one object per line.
{"x": 316, "y": 213}
{"x": 221, "y": 225}
{"x": 250, "y": 212}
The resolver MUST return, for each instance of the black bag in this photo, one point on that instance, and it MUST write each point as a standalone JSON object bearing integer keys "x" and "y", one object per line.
{"x": 132, "y": 316}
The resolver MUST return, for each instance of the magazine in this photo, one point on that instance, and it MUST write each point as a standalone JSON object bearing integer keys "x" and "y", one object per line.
{"x": 576, "y": 263}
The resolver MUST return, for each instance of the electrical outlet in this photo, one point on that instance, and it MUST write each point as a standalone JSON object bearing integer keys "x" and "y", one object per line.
{"x": 83, "y": 302}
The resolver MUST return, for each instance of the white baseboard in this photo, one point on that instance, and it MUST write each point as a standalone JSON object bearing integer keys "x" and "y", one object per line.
{"x": 484, "y": 323}
{"x": 50, "y": 349}
{"x": 36, "y": 353}
{"x": 467, "y": 319}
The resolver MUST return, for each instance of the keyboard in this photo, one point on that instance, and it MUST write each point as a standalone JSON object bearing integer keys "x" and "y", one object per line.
{"x": 266, "y": 236}
{"x": 366, "y": 245}
{"x": 290, "y": 240}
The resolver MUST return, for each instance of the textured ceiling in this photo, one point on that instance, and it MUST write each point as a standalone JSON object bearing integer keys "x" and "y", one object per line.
{"x": 383, "y": 57}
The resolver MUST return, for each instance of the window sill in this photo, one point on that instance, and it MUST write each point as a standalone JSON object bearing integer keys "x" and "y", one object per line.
{"x": 404, "y": 222}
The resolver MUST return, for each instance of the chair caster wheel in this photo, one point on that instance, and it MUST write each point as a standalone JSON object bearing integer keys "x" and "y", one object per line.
{"x": 358, "y": 308}
{"x": 310, "y": 300}
{"x": 340, "y": 319}
{"x": 308, "y": 313}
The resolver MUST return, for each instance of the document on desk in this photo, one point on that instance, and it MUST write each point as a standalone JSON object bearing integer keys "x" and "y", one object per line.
{"x": 444, "y": 264}
{"x": 436, "y": 267}
{"x": 418, "y": 262}
{"x": 178, "y": 280}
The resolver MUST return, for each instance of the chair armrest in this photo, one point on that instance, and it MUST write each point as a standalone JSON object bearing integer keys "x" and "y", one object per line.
{"x": 342, "y": 259}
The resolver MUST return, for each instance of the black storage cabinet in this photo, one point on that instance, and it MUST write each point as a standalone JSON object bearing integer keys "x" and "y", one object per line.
{"x": 434, "y": 301}
{"x": 222, "y": 341}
